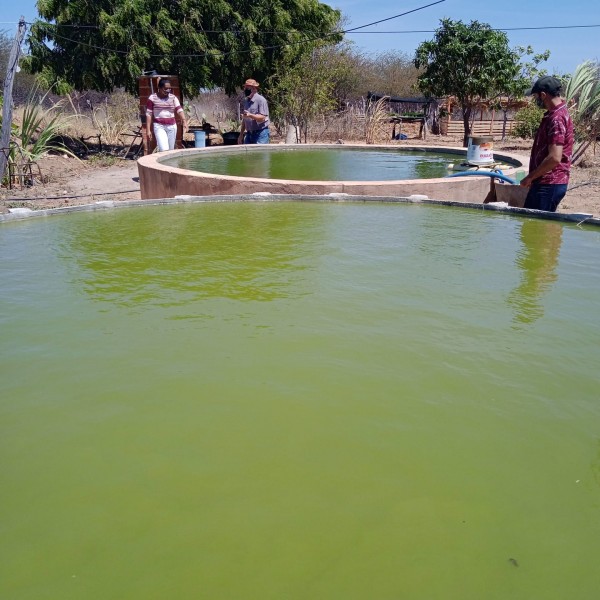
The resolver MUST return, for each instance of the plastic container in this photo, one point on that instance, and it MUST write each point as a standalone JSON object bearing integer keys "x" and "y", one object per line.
{"x": 480, "y": 150}
{"x": 199, "y": 139}
{"x": 513, "y": 195}
{"x": 230, "y": 138}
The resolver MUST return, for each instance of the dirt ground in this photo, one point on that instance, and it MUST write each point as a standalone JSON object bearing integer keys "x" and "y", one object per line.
{"x": 71, "y": 182}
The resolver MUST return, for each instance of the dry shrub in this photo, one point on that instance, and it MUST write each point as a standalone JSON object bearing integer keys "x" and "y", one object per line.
{"x": 377, "y": 121}
{"x": 346, "y": 125}
{"x": 106, "y": 120}
{"x": 590, "y": 159}
{"x": 115, "y": 116}
{"x": 215, "y": 106}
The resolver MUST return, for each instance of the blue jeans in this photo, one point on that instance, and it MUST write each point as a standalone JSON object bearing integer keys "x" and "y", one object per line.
{"x": 261, "y": 136}
{"x": 545, "y": 196}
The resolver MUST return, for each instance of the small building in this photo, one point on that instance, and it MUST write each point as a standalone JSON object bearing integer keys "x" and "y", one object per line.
{"x": 405, "y": 110}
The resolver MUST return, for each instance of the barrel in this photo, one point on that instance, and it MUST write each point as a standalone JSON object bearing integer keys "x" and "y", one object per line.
{"x": 230, "y": 138}
{"x": 199, "y": 138}
{"x": 480, "y": 150}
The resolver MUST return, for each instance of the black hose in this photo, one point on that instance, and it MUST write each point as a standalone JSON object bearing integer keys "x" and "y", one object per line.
{"x": 67, "y": 197}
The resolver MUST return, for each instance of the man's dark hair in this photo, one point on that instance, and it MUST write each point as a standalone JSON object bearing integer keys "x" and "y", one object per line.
{"x": 163, "y": 81}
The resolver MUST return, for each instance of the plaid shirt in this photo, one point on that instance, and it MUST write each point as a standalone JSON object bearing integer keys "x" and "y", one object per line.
{"x": 556, "y": 128}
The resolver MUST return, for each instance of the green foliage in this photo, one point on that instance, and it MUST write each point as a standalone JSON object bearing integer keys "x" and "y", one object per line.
{"x": 527, "y": 121}
{"x": 39, "y": 129}
{"x": 103, "y": 159}
{"x": 207, "y": 43}
{"x": 339, "y": 64}
{"x": 231, "y": 125}
{"x": 582, "y": 92}
{"x": 529, "y": 70}
{"x": 471, "y": 62}
{"x": 306, "y": 89}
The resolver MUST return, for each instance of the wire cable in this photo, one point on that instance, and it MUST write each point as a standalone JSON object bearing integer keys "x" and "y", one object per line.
{"x": 221, "y": 54}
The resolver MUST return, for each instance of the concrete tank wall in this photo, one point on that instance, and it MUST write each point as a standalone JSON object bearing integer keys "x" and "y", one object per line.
{"x": 160, "y": 181}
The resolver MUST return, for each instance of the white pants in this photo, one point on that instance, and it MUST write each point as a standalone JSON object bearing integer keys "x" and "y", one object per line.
{"x": 165, "y": 136}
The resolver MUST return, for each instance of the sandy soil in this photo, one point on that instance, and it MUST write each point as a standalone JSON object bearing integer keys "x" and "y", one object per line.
{"x": 72, "y": 182}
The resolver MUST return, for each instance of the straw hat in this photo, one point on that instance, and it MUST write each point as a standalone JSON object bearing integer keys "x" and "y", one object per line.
{"x": 251, "y": 82}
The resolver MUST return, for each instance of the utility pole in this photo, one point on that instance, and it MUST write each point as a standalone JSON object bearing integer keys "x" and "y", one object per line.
{"x": 13, "y": 63}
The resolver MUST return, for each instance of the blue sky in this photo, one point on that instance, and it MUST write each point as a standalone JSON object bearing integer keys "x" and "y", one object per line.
{"x": 568, "y": 47}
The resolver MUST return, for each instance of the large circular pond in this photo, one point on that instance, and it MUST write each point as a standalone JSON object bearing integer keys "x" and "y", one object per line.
{"x": 315, "y": 169}
{"x": 321, "y": 164}
{"x": 299, "y": 400}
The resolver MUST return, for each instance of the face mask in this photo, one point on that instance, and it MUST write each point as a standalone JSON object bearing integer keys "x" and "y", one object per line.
{"x": 247, "y": 92}
{"x": 539, "y": 102}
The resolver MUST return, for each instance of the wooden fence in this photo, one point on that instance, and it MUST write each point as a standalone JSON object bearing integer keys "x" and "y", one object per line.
{"x": 480, "y": 127}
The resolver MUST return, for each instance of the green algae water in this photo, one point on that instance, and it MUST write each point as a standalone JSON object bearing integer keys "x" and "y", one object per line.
{"x": 327, "y": 164}
{"x": 299, "y": 400}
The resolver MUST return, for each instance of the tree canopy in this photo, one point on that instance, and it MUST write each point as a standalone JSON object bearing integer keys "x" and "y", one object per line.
{"x": 307, "y": 88}
{"x": 471, "y": 62}
{"x": 105, "y": 44}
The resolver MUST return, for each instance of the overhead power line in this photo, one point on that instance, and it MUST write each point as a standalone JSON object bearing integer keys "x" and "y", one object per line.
{"x": 346, "y": 31}
{"x": 302, "y": 41}
{"x": 493, "y": 29}
{"x": 351, "y": 31}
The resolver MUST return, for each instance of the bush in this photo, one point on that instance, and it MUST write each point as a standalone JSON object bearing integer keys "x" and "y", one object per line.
{"x": 527, "y": 121}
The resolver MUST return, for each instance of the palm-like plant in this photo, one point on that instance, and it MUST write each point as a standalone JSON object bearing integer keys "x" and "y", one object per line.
{"x": 40, "y": 127}
{"x": 582, "y": 93}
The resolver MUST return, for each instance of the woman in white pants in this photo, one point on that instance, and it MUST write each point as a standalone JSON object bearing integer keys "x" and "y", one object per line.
{"x": 162, "y": 111}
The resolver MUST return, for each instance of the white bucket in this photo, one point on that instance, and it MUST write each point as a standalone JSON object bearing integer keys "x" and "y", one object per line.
{"x": 480, "y": 150}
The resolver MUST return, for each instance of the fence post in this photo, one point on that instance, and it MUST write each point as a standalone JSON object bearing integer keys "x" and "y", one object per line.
{"x": 13, "y": 63}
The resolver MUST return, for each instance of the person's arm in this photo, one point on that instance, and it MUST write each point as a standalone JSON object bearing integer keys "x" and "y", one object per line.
{"x": 554, "y": 157}
{"x": 149, "y": 117}
{"x": 255, "y": 117}
{"x": 182, "y": 121}
{"x": 179, "y": 112}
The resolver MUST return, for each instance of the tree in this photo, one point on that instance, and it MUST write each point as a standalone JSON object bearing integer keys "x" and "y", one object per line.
{"x": 527, "y": 121}
{"x": 390, "y": 73}
{"x": 515, "y": 89}
{"x": 471, "y": 62}
{"x": 306, "y": 89}
{"x": 105, "y": 44}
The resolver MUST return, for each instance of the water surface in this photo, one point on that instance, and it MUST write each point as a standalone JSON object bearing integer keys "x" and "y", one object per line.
{"x": 327, "y": 164}
{"x": 299, "y": 401}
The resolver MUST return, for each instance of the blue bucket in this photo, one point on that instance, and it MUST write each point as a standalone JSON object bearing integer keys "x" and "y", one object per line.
{"x": 199, "y": 139}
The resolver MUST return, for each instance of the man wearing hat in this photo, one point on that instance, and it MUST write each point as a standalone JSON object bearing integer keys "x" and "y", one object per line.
{"x": 255, "y": 118}
{"x": 550, "y": 161}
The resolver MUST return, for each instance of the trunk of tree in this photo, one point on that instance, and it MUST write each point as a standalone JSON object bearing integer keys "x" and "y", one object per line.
{"x": 432, "y": 117}
{"x": 467, "y": 124}
{"x": 292, "y": 135}
{"x": 504, "y": 122}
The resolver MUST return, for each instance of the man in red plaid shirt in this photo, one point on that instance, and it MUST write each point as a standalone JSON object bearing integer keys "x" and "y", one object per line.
{"x": 550, "y": 162}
